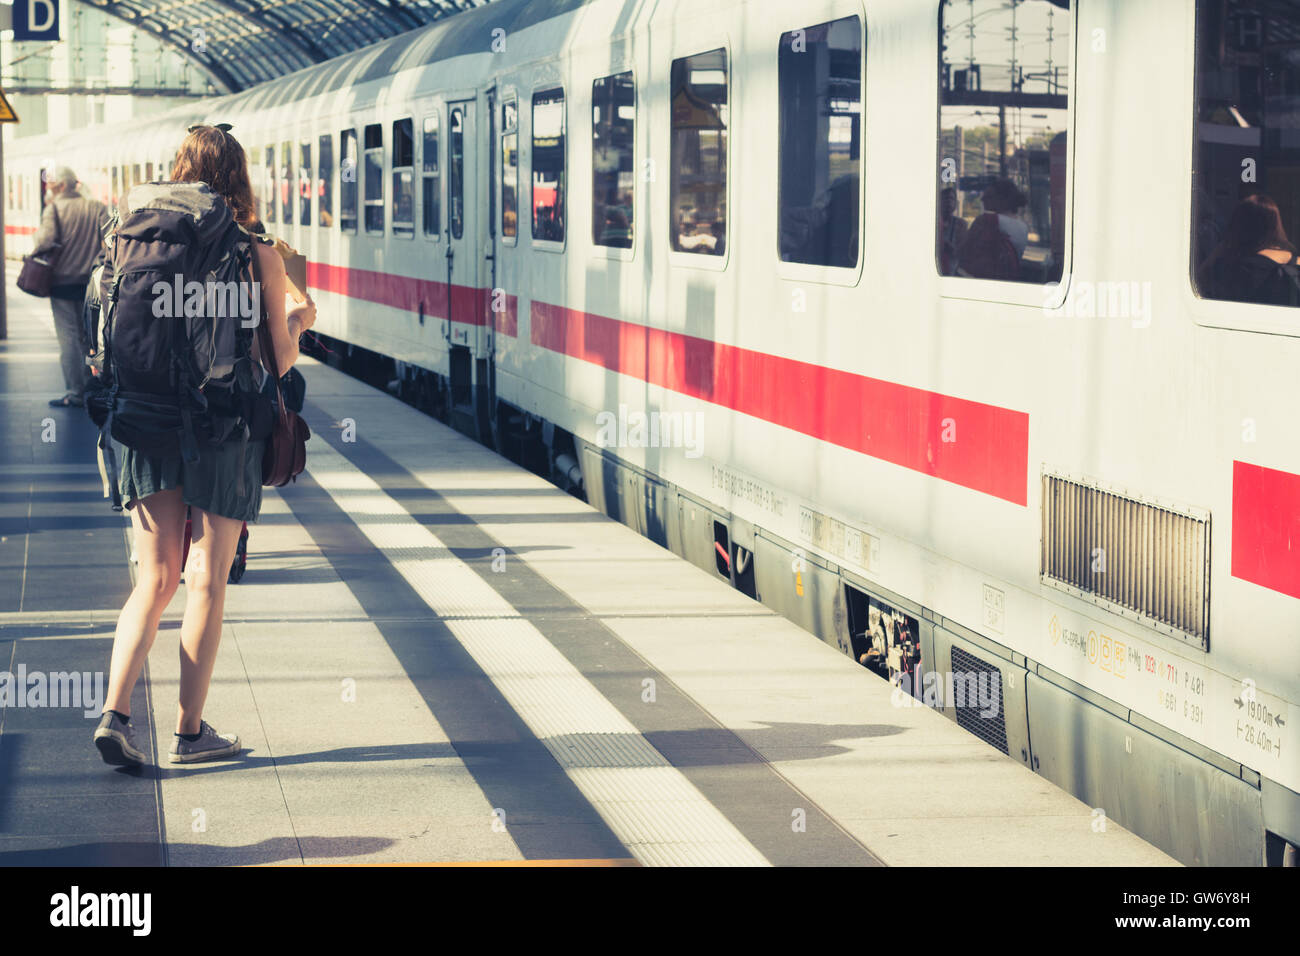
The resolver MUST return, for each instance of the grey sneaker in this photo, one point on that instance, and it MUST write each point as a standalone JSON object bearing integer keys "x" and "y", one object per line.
{"x": 210, "y": 746}
{"x": 115, "y": 739}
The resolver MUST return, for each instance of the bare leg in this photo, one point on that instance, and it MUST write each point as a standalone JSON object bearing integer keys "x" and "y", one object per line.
{"x": 159, "y": 523}
{"x": 212, "y": 549}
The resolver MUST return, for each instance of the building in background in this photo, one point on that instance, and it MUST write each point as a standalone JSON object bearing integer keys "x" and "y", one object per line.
{"x": 102, "y": 71}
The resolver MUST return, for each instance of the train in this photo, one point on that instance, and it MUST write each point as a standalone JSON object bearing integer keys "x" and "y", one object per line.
{"x": 728, "y": 269}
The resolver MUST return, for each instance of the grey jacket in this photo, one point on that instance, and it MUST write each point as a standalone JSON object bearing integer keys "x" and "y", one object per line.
{"x": 79, "y": 230}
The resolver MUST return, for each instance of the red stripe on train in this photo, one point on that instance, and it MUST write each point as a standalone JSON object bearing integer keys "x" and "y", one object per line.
{"x": 469, "y": 305}
{"x": 19, "y": 230}
{"x": 1266, "y": 527}
{"x": 988, "y": 446}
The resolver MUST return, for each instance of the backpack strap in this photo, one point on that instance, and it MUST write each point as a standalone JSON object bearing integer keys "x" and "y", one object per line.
{"x": 189, "y": 391}
{"x": 266, "y": 347}
{"x": 264, "y": 337}
{"x": 107, "y": 454}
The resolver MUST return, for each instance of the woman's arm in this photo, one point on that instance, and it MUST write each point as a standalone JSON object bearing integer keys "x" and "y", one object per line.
{"x": 285, "y": 323}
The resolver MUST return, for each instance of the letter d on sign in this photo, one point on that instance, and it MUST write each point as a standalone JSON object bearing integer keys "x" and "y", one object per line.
{"x": 36, "y": 20}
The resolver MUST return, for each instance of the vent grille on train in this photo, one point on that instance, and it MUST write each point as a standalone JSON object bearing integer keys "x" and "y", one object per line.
{"x": 977, "y": 674}
{"x": 1137, "y": 559}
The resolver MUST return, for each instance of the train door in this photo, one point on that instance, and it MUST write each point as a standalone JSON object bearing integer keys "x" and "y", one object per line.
{"x": 488, "y": 396}
{"x": 464, "y": 261}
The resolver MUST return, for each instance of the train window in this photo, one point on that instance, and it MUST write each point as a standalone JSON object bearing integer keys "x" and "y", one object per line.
{"x": 285, "y": 183}
{"x": 613, "y": 181}
{"x": 699, "y": 153}
{"x": 325, "y": 181}
{"x": 1246, "y": 197}
{"x": 304, "y": 184}
{"x": 269, "y": 202}
{"x": 404, "y": 179}
{"x": 456, "y": 173}
{"x": 548, "y": 165}
{"x": 509, "y": 168}
{"x": 374, "y": 184}
{"x": 148, "y": 172}
{"x": 431, "y": 186}
{"x": 1004, "y": 95}
{"x": 820, "y": 82}
{"x": 348, "y": 180}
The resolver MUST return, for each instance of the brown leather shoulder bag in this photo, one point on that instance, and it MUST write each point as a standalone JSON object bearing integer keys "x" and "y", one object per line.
{"x": 37, "y": 274}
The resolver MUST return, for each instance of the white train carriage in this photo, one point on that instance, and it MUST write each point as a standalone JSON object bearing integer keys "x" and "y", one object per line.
{"x": 704, "y": 260}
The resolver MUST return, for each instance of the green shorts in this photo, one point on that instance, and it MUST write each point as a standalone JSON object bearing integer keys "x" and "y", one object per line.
{"x": 210, "y": 484}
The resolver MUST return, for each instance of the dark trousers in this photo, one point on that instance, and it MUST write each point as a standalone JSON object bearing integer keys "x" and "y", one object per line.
{"x": 72, "y": 344}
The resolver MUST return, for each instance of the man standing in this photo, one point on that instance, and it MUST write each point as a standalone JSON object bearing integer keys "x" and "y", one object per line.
{"x": 75, "y": 223}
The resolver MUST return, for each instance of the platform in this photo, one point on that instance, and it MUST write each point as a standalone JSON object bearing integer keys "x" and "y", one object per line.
{"x": 436, "y": 656}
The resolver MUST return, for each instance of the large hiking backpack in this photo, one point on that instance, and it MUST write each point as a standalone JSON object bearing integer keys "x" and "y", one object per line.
{"x": 179, "y": 312}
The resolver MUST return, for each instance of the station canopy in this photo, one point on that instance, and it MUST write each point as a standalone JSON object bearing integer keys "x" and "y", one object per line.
{"x": 240, "y": 43}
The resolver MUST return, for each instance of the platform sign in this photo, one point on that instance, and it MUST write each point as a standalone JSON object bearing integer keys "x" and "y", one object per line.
{"x": 36, "y": 20}
{"x": 7, "y": 114}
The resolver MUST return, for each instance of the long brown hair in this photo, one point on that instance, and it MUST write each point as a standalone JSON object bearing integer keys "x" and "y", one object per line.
{"x": 1256, "y": 224}
{"x": 210, "y": 155}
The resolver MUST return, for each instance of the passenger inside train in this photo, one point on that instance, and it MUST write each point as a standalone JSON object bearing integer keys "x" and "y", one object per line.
{"x": 996, "y": 240}
{"x": 1002, "y": 141}
{"x": 952, "y": 232}
{"x": 1246, "y": 200}
{"x": 617, "y": 230}
{"x": 1254, "y": 261}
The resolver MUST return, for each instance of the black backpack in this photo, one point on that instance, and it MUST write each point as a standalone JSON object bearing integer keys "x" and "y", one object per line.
{"x": 179, "y": 312}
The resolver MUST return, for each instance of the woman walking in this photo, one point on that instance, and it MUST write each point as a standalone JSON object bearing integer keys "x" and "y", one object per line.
{"x": 156, "y": 491}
